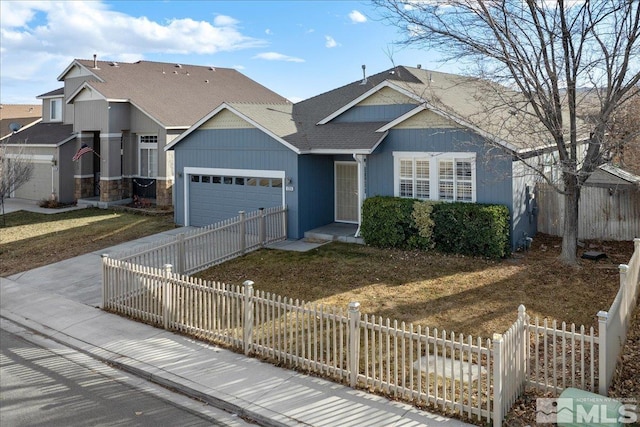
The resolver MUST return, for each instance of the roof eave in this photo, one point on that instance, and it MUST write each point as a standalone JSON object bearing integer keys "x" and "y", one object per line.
{"x": 70, "y": 66}
{"x": 375, "y": 89}
{"x": 226, "y": 106}
{"x": 80, "y": 88}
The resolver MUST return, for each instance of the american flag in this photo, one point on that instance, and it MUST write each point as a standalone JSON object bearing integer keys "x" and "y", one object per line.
{"x": 84, "y": 149}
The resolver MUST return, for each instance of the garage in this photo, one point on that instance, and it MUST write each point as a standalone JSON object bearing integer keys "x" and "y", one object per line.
{"x": 213, "y": 195}
{"x": 39, "y": 186}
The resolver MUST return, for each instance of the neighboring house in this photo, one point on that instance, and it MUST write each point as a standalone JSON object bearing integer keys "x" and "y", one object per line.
{"x": 20, "y": 114}
{"x": 44, "y": 145}
{"x": 126, "y": 113}
{"x": 405, "y": 132}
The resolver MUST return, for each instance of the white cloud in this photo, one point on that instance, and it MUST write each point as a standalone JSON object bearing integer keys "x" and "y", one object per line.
{"x": 41, "y": 36}
{"x": 268, "y": 31}
{"x": 357, "y": 17}
{"x": 224, "y": 21}
{"x": 275, "y": 56}
{"x": 330, "y": 42}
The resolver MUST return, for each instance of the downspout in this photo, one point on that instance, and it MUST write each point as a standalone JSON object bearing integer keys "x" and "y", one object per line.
{"x": 361, "y": 161}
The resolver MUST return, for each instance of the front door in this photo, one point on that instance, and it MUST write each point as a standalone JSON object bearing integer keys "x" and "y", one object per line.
{"x": 346, "y": 184}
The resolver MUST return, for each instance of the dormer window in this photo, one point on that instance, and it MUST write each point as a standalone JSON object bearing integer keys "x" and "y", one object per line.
{"x": 55, "y": 112}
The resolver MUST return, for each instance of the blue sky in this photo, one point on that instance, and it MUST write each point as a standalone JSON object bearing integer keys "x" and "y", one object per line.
{"x": 296, "y": 48}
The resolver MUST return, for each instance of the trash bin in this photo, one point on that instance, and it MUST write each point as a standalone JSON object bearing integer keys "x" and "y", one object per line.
{"x": 577, "y": 407}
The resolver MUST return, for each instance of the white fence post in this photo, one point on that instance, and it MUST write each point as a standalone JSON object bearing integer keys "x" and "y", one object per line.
{"x": 166, "y": 293}
{"x": 262, "y": 227}
{"x": 105, "y": 280}
{"x": 354, "y": 343}
{"x": 284, "y": 222}
{"x": 242, "y": 237}
{"x": 497, "y": 379}
{"x": 623, "y": 269}
{"x": 181, "y": 255}
{"x": 523, "y": 368}
{"x": 247, "y": 328}
{"x": 603, "y": 381}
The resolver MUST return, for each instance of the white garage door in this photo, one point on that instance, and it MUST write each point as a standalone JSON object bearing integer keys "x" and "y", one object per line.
{"x": 39, "y": 186}
{"x": 217, "y": 194}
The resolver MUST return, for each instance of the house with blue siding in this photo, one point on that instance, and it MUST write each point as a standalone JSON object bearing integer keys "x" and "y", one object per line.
{"x": 405, "y": 132}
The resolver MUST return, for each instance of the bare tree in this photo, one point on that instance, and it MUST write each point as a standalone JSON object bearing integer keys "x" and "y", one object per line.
{"x": 624, "y": 133}
{"x": 546, "y": 51}
{"x": 15, "y": 170}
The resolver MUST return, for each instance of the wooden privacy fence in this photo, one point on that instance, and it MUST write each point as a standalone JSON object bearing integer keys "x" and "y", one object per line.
{"x": 474, "y": 377}
{"x": 202, "y": 248}
{"x": 604, "y": 214}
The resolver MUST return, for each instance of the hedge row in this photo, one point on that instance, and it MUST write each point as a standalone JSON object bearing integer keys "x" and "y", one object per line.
{"x": 462, "y": 228}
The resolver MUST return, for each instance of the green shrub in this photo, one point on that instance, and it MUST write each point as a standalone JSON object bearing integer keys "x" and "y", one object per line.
{"x": 423, "y": 220}
{"x": 472, "y": 229}
{"x": 462, "y": 228}
{"x": 387, "y": 222}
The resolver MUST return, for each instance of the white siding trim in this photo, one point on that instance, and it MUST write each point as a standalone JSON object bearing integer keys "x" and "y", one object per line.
{"x": 31, "y": 158}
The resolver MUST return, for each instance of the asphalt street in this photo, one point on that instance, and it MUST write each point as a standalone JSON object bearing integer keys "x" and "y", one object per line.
{"x": 43, "y": 383}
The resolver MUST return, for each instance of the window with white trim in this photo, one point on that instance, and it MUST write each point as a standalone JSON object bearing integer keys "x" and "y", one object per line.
{"x": 435, "y": 176}
{"x": 414, "y": 178}
{"x": 148, "y": 155}
{"x": 55, "y": 110}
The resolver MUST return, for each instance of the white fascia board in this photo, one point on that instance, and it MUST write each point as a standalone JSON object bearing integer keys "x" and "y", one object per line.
{"x": 337, "y": 151}
{"x": 263, "y": 129}
{"x": 620, "y": 173}
{"x": 82, "y": 87}
{"x": 426, "y": 106}
{"x": 366, "y": 95}
{"x": 27, "y": 126}
{"x": 225, "y": 106}
{"x": 402, "y": 118}
{"x": 195, "y": 126}
{"x": 50, "y": 96}
{"x": 384, "y": 135}
{"x": 70, "y": 66}
{"x": 64, "y": 141}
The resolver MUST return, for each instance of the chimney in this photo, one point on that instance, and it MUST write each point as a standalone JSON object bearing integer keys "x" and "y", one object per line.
{"x": 95, "y": 61}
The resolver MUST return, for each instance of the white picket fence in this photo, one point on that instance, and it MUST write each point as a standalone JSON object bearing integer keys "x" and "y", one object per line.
{"x": 204, "y": 247}
{"x": 477, "y": 378}
{"x": 614, "y": 324}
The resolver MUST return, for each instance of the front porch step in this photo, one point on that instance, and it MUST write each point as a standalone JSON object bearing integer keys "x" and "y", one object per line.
{"x": 320, "y": 237}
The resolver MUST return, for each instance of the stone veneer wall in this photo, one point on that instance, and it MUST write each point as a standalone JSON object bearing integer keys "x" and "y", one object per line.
{"x": 83, "y": 188}
{"x": 110, "y": 190}
{"x": 127, "y": 188}
{"x": 164, "y": 192}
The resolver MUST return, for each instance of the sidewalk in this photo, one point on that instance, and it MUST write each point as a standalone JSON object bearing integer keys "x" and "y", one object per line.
{"x": 61, "y": 301}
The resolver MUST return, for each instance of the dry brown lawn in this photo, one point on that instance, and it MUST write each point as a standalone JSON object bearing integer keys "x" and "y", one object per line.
{"x": 29, "y": 240}
{"x": 460, "y": 294}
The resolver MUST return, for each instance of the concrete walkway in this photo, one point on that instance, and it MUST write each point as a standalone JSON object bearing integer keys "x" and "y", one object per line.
{"x": 61, "y": 301}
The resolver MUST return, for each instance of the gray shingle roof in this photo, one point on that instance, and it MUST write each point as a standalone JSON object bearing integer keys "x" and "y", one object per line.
{"x": 494, "y": 111}
{"x": 176, "y": 96}
{"x": 42, "y": 133}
